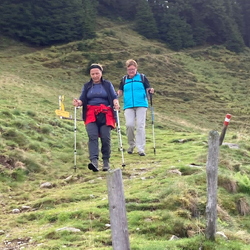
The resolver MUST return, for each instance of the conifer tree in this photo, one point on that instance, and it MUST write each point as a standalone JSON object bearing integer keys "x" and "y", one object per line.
{"x": 46, "y": 22}
{"x": 211, "y": 21}
{"x": 234, "y": 38}
{"x": 245, "y": 11}
{"x": 117, "y": 8}
{"x": 175, "y": 31}
{"x": 145, "y": 22}
{"x": 89, "y": 18}
{"x": 193, "y": 12}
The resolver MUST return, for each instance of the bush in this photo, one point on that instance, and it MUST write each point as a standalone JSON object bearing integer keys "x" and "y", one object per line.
{"x": 32, "y": 166}
{"x": 109, "y": 33}
{"x": 31, "y": 113}
{"x": 16, "y": 112}
{"x": 36, "y": 147}
{"x": 82, "y": 46}
{"x": 7, "y": 113}
{"x": 119, "y": 64}
{"x": 243, "y": 183}
{"x": 46, "y": 129}
{"x": 15, "y": 136}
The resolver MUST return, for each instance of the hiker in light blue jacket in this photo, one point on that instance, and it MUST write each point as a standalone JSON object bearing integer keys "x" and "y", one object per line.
{"x": 134, "y": 88}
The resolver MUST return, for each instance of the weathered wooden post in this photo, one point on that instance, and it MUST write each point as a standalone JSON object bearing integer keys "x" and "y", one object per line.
{"x": 224, "y": 129}
{"x": 117, "y": 211}
{"x": 212, "y": 183}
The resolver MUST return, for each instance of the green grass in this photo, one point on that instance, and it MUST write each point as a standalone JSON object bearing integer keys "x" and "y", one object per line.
{"x": 195, "y": 89}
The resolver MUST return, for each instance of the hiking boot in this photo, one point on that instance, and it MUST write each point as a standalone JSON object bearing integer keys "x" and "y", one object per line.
{"x": 105, "y": 165}
{"x": 141, "y": 153}
{"x": 130, "y": 150}
{"x": 93, "y": 165}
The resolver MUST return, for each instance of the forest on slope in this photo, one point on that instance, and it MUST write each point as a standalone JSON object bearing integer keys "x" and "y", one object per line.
{"x": 165, "y": 192}
{"x": 178, "y": 23}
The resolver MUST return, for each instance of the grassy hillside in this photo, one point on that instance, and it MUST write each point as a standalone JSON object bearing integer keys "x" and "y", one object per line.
{"x": 166, "y": 192}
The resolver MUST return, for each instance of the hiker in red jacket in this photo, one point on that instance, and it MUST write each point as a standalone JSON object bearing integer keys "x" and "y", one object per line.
{"x": 99, "y": 100}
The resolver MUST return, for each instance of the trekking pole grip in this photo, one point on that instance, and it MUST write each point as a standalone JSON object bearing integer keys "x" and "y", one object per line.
{"x": 150, "y": 97}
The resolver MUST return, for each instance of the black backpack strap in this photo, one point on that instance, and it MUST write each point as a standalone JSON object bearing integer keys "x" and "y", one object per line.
{"x": 143, "y": 80}
{"x": 142, "y": 77}
{"x": 124, "y": 79}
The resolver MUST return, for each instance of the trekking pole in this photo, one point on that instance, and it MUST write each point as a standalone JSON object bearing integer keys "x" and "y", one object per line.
{"x": 75, "y": 140}
{"x": 120, "y": 137}
{"x": 152, "y": 118}
{"x": 118, "y": 140}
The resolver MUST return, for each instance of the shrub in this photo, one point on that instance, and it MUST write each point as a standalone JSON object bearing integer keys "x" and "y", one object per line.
{"x": 32, "y": 166}
{"x": 15, "y": 136}
{"x": 81, "y": 46}
{"x": 110, "y": 56}
{"x": 243, "y": 183}
{"x": 36, "y": 147}
{"x": 18, "y": 175}
{"x": 16, "y": 112}
{"x": 45, "y": 129}
{"x": 31, "y": 113}
{"x": 109, "y": 32}
{"x": 19, "y": 124}
{"x": 7, "y": 113}
{"x": 157, "y": 51}
{"x": 119, "y": 64}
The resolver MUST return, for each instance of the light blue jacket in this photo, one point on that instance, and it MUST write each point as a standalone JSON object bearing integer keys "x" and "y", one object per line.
{"x": 134, "y": 91}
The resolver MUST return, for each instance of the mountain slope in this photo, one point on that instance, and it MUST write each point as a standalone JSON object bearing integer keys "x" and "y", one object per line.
{"x": 165, "y": 193}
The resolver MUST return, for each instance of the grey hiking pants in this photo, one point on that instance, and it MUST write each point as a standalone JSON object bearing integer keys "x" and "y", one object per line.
{"x": 136, "y": 117}
{"x": 93, "y": 133}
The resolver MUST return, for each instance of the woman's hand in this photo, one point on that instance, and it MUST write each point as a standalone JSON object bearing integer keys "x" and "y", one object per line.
{"x": 119, "y": 93}
{"x": 116, "y": 104}
{"x": 151, "y": 91}
{"x": 77, "y": 103}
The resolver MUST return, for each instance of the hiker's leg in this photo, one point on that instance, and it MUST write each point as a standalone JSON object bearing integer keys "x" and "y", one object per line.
{"x": 92, "y": 130}
{"x": 105, "y": 139}
{"x": 141, "y": 114}
{"x": 130, "y": 127}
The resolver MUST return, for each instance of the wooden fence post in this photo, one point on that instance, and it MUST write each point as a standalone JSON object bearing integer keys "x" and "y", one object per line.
{"x": 117, "y": 211}
{"x": 224, "y": 129}
{"x": 212, "y": 183}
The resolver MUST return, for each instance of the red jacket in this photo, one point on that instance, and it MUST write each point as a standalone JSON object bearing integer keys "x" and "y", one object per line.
{"x": 92, "y": 111}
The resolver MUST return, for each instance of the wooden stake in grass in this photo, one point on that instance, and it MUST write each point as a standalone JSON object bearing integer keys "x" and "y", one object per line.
{"x": 224, "y": 129}
{"x": 117, "y": 211}
{"x": 212, "y": 183}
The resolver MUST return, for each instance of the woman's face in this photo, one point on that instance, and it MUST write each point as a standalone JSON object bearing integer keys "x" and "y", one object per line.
{"x": 131, "y": 70}
{"x": 96, "y": 75}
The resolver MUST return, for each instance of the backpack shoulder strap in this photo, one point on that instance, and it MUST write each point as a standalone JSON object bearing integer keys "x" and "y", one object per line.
{"x": 143, "y": 80}
{"x": 124, "y": 79}
{"x": 142, "y": 77}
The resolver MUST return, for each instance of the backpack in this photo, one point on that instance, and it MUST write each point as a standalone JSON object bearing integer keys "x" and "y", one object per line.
{"x": 142, "y": 80}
